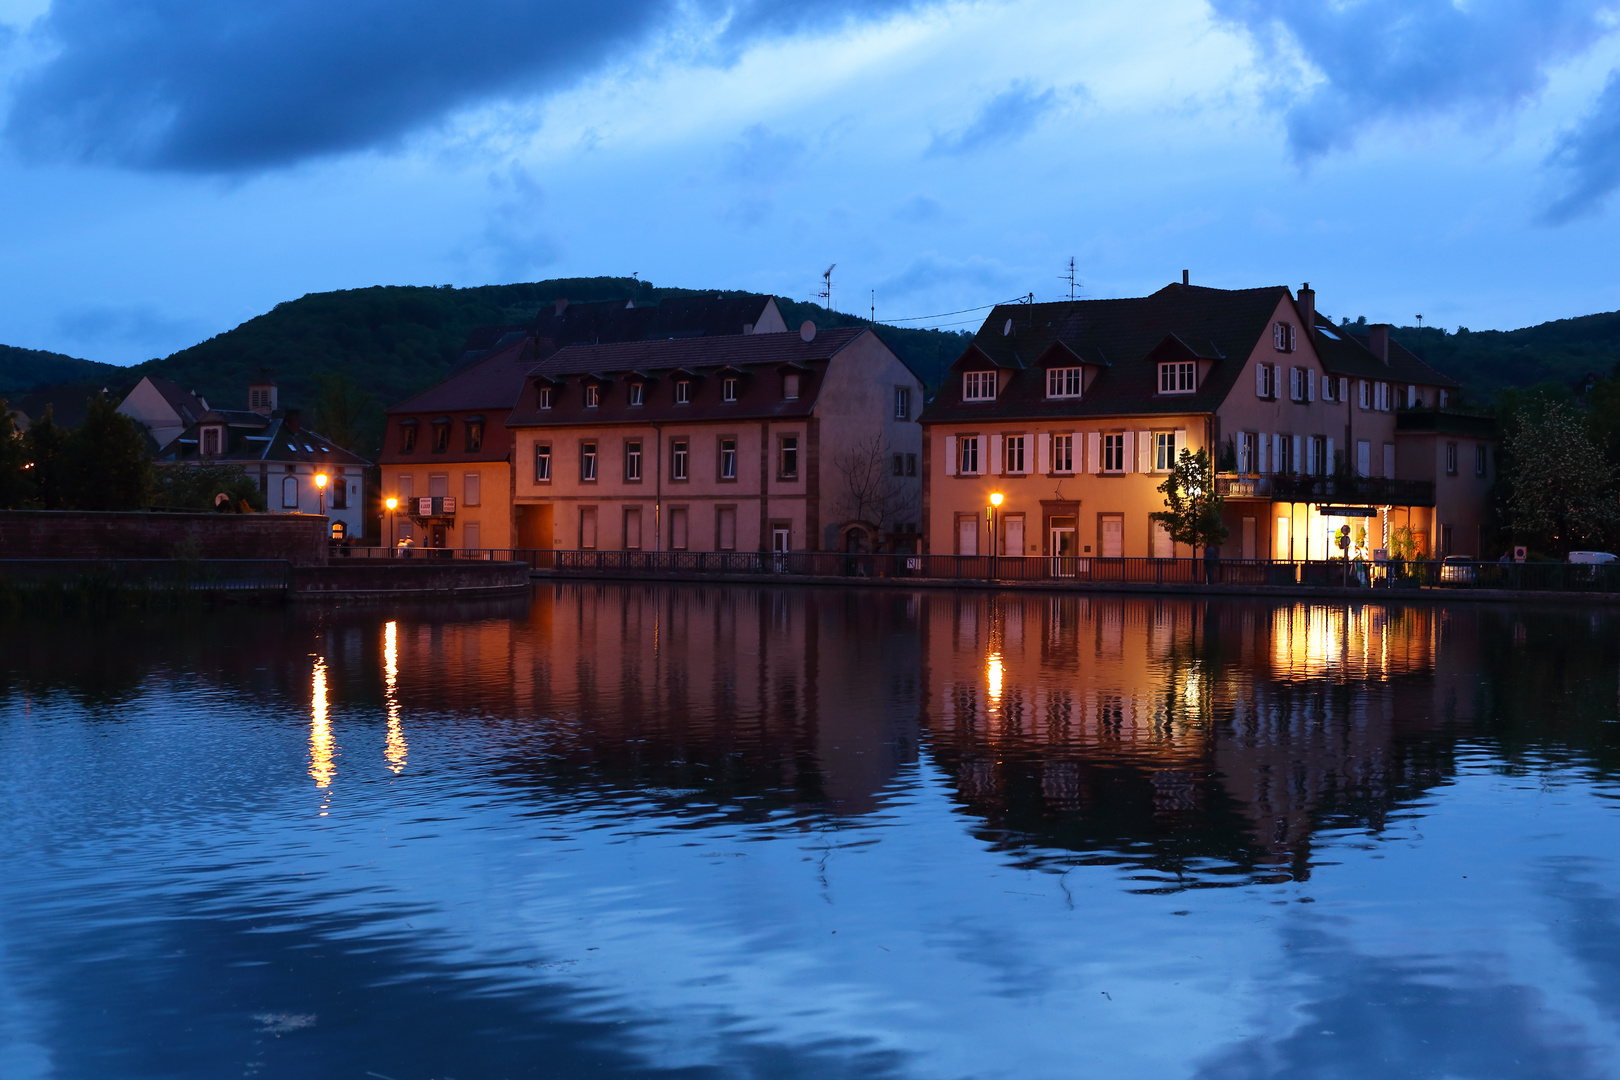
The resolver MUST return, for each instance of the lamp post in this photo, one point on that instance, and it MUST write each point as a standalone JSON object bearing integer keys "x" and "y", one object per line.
{"x": 390, "y": 502}
{"x": 320, "y": 486}
{"x": 995, "y": 503}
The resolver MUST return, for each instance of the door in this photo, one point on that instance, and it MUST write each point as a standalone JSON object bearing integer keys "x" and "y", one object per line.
{"x": 779, "y": 546}
{"x": 1064, "y": 547}
{"x": 1281, "y": 549}
{"x": 967, "y": 535}
{"x": 1015, "y": 535}
{"x": 437, "y": 537}
{"x": 1248, "y": 538}
{"x": 1113, "y": 537}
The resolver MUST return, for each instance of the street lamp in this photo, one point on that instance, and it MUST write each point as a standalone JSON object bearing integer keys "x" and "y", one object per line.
{"x": 320, "y": 486}
{"x": 995, "y": 503}
{"x": 390, "y": 502}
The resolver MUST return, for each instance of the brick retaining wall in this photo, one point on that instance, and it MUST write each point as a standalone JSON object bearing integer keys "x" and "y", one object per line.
{"x": 362, "y": 579}
{"x": 78, "y": 534}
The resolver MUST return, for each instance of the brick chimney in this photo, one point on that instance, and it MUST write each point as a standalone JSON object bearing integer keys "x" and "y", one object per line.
{"x": 1307, "y": 309}
{"x": 1378, "y": 341}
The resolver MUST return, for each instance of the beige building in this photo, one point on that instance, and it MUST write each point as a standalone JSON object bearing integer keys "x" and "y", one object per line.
{"x": 752, "y": 442}
{"x": 1073, "y": 413}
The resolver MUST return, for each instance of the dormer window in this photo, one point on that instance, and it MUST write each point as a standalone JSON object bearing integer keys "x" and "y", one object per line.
{"x": 1282, "y": 336}
{"x": 683, "y": 392}
{"x": 441, "y": 436}
{"x": 475, "y": 436}
{"x": 978, "y": 386}
{"x": 407, "y": 437}
{"x": 1063, "y": 382}
{"x": 211, "y": 441}
{"x": 790, "y": 387}
{"x": 728, "y": 389}
{"x": 1178, "y": 377}
{"x": 636, "y": 391}
{"x": 542, "y": 397}
{"x": 593, "y": 396}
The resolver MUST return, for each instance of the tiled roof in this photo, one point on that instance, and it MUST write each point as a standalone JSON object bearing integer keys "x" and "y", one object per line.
{"x": 1190, "y": 320}
{"x": 491, "y": 381}
{"x": 188, "y": 406}
{"x": 1345, "y": 352}
{"x": 262, "y": 439}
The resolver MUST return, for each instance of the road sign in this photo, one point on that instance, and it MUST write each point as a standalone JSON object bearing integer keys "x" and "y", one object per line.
{"x": 1348, "y": 511}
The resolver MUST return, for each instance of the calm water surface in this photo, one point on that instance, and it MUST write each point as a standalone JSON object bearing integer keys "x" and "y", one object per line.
{"x": 739, "y": 832}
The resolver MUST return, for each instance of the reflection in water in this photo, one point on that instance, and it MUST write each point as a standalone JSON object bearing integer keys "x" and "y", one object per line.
{"x": 321, "y": 764}
{"x": 394, "y": 749}
{"x": 993, "y": 674}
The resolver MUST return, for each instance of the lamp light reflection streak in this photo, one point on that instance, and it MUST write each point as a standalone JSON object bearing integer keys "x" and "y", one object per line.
{"x": 993, "y": 674}
{"x": 321, "y": 765}
{"x": 395, "y": 749}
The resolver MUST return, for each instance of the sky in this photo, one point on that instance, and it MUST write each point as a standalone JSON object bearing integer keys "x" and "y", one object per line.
{"x": 171, "y": 168}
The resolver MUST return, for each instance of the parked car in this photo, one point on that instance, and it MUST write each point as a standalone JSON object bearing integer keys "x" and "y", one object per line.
{"x": 1457, "y": 570}
{"x": 1593, "y": 558}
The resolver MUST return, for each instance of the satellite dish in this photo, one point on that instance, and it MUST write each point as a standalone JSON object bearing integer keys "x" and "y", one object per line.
{"x": 1007, "y": 330}
{"x": 807, "y": 331}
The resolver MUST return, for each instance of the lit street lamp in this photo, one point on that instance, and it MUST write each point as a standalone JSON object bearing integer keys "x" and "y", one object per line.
{"x": 995, "y": 503}
{"x": 390, "y": 502}
{"x": 320, "y": 486}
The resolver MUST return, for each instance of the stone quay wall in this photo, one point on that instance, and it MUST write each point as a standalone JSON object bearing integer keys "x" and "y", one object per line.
{"x": 79, "y": 534}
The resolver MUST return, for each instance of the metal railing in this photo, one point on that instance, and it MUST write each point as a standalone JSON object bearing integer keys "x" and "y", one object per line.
{"x": 147, "y": 575}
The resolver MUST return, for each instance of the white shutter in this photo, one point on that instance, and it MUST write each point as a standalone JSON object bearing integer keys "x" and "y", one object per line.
{"x": 1327, "y": 466}
{"x": 1043, "y": 453}
{"x": 950, "y": 455}
{"x": 1259, "y": 380}
{"x": 995, "y": 453}
{"x": 1297, "y": 460}
{"x": 1146, "y": 443}
{"x": 1128, "y": 445}
{"x": 1094, "y": 451}
{"x": 1181, "y": 442}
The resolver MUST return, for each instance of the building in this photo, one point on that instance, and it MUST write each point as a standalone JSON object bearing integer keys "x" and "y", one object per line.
{"x": 273, "y": 446}
{"x": 1074, "y": 412}
{"x": 749, "y": 442}
{"x": 451, "y": 444}
{"x": 164, "y": 408}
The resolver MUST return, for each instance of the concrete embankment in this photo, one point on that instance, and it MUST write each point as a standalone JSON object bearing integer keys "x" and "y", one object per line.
{"x": 414, "y": 579}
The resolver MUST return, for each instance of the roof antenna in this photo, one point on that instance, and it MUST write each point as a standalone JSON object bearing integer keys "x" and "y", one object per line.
{"x": 1069, "y": 277}
{"x": 873, "y": 319}
{"x": 825, "y": 295}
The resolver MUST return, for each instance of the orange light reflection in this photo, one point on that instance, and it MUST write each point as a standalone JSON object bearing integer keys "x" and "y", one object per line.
{"x": 394, "y": 750}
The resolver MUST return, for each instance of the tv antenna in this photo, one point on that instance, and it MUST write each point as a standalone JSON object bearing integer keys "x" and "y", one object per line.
{"x": 1420, "y": 323}
{"x": 1070, "y": 278}
{"x": 873, "y": 318}
{"x": 825, "y": 294}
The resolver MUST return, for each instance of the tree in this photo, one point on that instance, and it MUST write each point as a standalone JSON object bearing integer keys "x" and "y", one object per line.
{"x": 43, "y": 446}
{"x": 1562, "y": 488}
{"x": 347, "y": 414}
{"x": 196, "y": 487}
{"x": 1193, "y": 506}
{"x": 104, "y": 461}
{"x": 14, "y": 486}
{"x": 872, "y": 493}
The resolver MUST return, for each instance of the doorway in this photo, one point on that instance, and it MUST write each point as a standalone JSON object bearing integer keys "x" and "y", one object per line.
{"x": 1015, "y": 535}
{"x": 1065, "y": 546}
{"x": 1281, "y": 550}
{"x": 967, "y": 535}
{"x": 1113, "y": 536}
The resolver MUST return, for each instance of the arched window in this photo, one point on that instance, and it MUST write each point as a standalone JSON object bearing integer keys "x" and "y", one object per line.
{"x": 289, "y": 493}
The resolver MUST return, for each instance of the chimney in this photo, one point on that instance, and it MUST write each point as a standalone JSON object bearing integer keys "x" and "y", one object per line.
{"x": 292, "y": 418}
{"x": 1307, "y": 308}
{"x": 562, "y": 305}
{"x": 1378, "y": 341}
{"x": 1186, "y": 277}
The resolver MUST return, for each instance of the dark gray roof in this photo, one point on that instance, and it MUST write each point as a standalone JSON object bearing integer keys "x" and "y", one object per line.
{"x": 1348, "y": 352}
{"x": 251, "y": 438}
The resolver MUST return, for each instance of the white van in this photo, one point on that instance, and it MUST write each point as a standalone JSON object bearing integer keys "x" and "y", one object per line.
{"x": 1596, "y": 558}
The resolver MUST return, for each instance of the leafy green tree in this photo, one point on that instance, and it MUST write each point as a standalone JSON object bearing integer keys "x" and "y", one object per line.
{"x": 43, "y": 446}
{"x": 1193, "y": 506}
{"x": 1562, "y": 488}
{"x": 197, "y": 487}
{"x": 347, "y": 414}
{"x": 14, "y": 488}
{"x": 104, "y": 461}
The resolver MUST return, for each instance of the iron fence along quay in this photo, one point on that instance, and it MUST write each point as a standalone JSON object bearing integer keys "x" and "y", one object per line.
{"x": 1049, "y": 570}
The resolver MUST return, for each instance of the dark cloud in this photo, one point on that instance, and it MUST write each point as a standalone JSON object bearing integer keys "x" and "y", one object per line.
{"x": 128, "y": 324}
{"x": 1008, "y": 116}
{"x": 1393, "y": 60}
{"x": 225, "y": 86}
{"x": 1587, "y": 160}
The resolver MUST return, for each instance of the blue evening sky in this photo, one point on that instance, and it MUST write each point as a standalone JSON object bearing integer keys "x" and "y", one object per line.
{"x": 173, "y": 167}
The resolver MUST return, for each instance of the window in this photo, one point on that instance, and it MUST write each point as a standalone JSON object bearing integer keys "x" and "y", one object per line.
{"x": 725, "y": 528}
{"x": 407, "y": 438}
{"x": 1412, "y": 401}
{"x": 728, "y": 459}
{"x": 587, "y": 527}
{"x": 1479, "y": 459}
{"x": 1444, "y": 396}
{"x": 1014, "y": 460}
{"x": 1451, "y": 459}
{"x": 340, "y": 492}
{"x": 471, "y": 489}
{"x": 1063, "y": 453}
{"x": 1113, "y": 448}
{"x": 1328, "y": 385}
{"x": 542, "y": 397}
{"x": 210, "y": 441}
{"x": 979, "y": 386}
{"x": 728, "y": 389}
{"x": 967, "y": 448}
{"x": 899, "y": 465}
{"x": 1319, "y": 462}
{"x": 1282, "y": 336}
{"x": 289, "y": 493}
{"x": 441, "y": 436}
{"x": 587, "y": 461}
{"x": 1285, "y": 463}
{"x": 593, "y": 396}
{"x": 678, "y": 459}
{"x": 475, "y": 436}
{"x": 1063, "y": 382}
{"x": 1178, "y": 378}
{"x": 902, "y": 403}
{"x": 677, "y": 528}
{"x": 438, "y": 485}
{"x": 258, "y": 399}
{"x": 632, "y": 460}
{"x": 790, "y": 387}
{"x": 1381, "y": 396}
{"x": 542, "y": 463}
{"x": 1249, "y": 453}
{"x": 788, "y": 457}
{"x": 1164, "y": 450}
{"x": 637, "y": 393}
{"x": 911, "y": 464}
{"x": 1265, "y": 380}
{"x": 1365, "y": 388}
{"x": 683, "y": 392}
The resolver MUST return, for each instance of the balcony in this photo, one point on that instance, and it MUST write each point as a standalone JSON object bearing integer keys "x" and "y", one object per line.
{"x": 433, "y": 506}
{"x": 1358, "y": 490}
